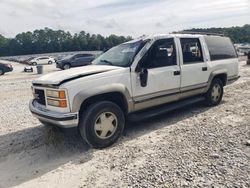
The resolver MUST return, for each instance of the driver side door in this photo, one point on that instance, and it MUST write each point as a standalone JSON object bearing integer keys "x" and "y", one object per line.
{"x": 163, "y": 75}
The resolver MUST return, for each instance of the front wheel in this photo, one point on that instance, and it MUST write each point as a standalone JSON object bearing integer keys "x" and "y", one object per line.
{"x": 101, "y": 124}
{"x": 66, "y": 66}
{"x": 215, "y": 93}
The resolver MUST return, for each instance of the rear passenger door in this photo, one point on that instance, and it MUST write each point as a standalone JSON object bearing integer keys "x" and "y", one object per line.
{"x": 81, "y": 59}
{"x": 86, "y": 59}
{"x": 38, "y": 61}
{"x": 194, "y": 69}
{"x": 43, "y": 60}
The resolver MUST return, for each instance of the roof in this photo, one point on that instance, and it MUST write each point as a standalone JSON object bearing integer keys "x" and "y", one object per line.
{"x": 159, "y": 36}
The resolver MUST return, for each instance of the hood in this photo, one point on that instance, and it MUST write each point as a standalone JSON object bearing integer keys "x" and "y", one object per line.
{"x": 59, "y": 77}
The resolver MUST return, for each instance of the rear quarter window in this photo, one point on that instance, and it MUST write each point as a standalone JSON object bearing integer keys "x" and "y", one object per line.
{"x": 220, "y": 48}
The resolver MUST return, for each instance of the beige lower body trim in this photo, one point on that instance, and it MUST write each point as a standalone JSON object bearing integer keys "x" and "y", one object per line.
{"x": 155, "y": 99}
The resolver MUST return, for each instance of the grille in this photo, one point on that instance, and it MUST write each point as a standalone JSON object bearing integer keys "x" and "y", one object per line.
{"x": 40, "y": 97}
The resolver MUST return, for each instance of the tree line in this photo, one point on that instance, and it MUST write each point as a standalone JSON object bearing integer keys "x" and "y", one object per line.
{"x": 237, "y": 34}
{"x": 48, "y": 41}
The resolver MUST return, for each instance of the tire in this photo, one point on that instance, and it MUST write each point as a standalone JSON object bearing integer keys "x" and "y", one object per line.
{"x": 35, "y": 63}
{"x": 101, "y": 124}
{"x": 66, "y": 66}
{"x": 2, "y": 72}
{"x": 215, "y": 93}
{"x": 50, "y": 62}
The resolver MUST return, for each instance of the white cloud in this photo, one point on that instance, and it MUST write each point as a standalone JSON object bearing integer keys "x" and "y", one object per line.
{"x": 124, "y": 17}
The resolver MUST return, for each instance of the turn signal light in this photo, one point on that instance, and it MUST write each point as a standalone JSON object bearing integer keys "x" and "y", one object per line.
{"x": 57, "y": 103}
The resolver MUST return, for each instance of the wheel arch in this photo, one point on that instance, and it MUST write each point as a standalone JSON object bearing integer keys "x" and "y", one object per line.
{"x": 221, "y": 74}
{"x": 66, "y": 63}
{"x": 114, "y": 93}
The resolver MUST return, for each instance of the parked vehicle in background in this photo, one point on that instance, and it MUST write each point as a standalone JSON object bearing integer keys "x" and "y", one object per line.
{"x": 26, "y": 61}
{"x": 5, "y": 68}
{"x": 248, "y": 58}
{"x": 41, "y": 60}
{"x": 244, "y": 49}
{"x": 13, "y": 59}
{"x": 76, "y": 60}
{"x": 136, "y": 80}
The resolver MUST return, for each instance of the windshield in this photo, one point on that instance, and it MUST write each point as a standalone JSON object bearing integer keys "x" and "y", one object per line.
{"x": 30, "y": 58}
{"x": 121, "y": 55}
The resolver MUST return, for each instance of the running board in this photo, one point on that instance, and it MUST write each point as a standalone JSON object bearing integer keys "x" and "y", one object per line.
{"x": 146, "y": 114}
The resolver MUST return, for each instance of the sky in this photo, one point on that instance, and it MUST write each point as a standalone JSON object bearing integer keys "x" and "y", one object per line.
{"x": 122, "y": 17}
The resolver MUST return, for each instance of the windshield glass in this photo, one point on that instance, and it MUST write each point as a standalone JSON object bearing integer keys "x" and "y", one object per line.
{"x": 121, "y": 55}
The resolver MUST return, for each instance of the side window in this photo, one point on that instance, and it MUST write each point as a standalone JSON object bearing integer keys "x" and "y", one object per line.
{"x": 87, "y": 55}
{"x": 191, "y": 50}
{"x": 76, "y": 56}
{"x": 161, "y": 54}
{"x": 220, "y": 48}
{"x": 80, "y": 56}
{"x": 42, "y": 58}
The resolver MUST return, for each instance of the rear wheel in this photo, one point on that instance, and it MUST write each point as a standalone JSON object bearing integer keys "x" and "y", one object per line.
{"x": 101, "y": 124}
{"x": 215, "y": 93}
{"x": 66, "y": 66}
{"x": 34, "y": 63}
{"x": 2, "y": 72}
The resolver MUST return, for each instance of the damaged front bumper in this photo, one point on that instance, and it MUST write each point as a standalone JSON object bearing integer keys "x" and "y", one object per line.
{"x": 64, "y": 120}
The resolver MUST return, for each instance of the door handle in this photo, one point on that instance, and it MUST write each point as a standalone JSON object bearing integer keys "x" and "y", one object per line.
{"x": 204, "y": 68}
{"x": 176, "y": 73}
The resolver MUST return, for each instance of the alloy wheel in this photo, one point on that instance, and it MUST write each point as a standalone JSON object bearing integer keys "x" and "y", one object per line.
{"x": 216, "y": 92}
{"x": 105, "y": 125}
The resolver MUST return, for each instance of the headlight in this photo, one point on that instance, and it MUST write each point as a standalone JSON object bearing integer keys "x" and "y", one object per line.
{"x": 56, "y": 94}
{"x": 56, "y": 98}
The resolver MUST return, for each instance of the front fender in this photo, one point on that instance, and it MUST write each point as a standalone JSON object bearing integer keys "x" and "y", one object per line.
{"x": 81, "y": 96}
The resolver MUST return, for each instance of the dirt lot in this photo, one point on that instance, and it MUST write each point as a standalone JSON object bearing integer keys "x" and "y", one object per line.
{"x": 192, "y": 147}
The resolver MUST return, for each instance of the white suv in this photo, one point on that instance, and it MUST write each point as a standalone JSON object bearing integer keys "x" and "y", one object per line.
{"x": 41, "y": 60}
{"x": 136, "y": 80}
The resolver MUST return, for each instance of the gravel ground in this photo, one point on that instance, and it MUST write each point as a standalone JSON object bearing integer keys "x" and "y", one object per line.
{"x": 191, "y": 147}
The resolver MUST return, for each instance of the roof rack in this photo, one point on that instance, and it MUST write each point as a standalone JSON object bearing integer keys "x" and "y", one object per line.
{"x": 198, "y": 33}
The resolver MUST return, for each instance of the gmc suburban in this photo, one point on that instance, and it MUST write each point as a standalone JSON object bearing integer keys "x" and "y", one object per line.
{"x": 133, "y": 81}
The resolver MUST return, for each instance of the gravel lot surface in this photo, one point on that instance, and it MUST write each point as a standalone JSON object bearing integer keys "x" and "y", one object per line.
{"x": 191, "y": 147}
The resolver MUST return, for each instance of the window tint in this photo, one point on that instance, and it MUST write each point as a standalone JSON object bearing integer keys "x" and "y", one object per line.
{"x": 77, "y": 56}
{"x": 220, "y": 48}
{"x": 81, "y": 55}
{"x": 42, "y": 58}
{"x": 191, "y": 50}
{"x": 162, "y": 53}
{"x": 87, "y": 55}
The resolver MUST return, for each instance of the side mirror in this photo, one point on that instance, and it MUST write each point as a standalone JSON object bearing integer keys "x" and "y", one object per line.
{"x": 143, "y": 77}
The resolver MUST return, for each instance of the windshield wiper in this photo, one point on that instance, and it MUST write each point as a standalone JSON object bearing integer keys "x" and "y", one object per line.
{"x": 106, "y": 61}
